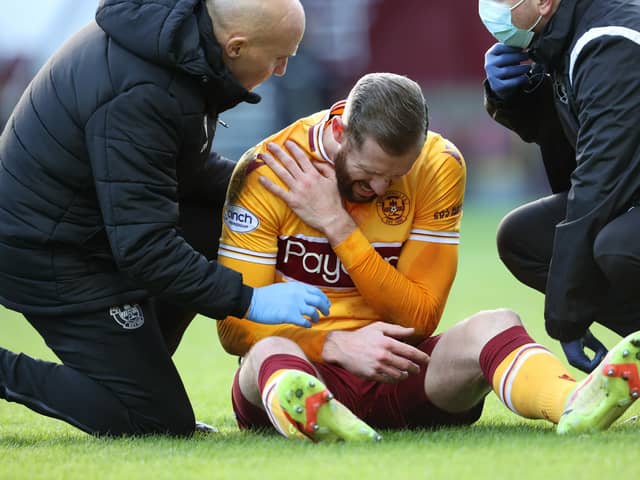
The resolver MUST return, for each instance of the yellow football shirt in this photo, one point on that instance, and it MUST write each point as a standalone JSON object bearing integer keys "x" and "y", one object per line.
{"x": 397, "y": 266}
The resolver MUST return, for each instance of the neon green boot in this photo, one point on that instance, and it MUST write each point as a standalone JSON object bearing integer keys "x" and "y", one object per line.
{"x": 311, "y": 407}
{"x": 606, "y": 393}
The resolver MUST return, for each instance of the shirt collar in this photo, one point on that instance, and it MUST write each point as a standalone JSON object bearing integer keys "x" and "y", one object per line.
{"x": 316, "y": 132}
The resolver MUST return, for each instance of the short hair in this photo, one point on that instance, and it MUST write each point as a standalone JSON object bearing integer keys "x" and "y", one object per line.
{"x": 389, "y": 108}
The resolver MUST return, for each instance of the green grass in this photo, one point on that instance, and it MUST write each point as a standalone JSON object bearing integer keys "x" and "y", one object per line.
{"x": 500, "y": 445}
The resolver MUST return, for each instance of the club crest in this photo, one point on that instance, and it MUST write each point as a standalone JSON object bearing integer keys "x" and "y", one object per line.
{"x": 128, "y": 316}
{"x": 393, "y": 207}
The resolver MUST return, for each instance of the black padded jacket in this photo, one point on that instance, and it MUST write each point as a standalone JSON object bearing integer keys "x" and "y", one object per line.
{"x": 111, "y": 130}
{"x": 585, "y": 115}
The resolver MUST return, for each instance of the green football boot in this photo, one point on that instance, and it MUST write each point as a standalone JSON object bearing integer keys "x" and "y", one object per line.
{"x": 598, "y": 400}
{"x": 311, "y": 407}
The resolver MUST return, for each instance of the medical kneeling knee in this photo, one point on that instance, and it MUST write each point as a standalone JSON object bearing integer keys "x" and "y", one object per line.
{"x": 507, "y": 239}
{"x": 621, "y": 269}
{"x": 165, "y": 415}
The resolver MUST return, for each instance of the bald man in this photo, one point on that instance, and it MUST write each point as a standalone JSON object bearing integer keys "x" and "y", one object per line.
{"x": 104, "y": 166}
{"x": 256, "y": 39}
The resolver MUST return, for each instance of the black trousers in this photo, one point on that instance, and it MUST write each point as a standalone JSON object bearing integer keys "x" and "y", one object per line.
{"x": 525, "y": 243}
{"x": 117, "y": 376}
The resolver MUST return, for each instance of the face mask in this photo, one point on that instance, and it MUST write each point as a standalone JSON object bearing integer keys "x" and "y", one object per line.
{"x": 497, "y": 18}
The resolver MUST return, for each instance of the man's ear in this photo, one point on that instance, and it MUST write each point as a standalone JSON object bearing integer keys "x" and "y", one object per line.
{"x": 235, "y": 45}
{"x": 545, "y": 7}
{"x": 337, "y": 128}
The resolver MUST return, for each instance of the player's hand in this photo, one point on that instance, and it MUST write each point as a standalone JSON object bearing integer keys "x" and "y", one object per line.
{"x": 290, "y": 302}
{"x": 504, "y": 68}
{"x": 312, "y": 189}
{"x": 576, "y": 355}
{"x": 375, "y": 352}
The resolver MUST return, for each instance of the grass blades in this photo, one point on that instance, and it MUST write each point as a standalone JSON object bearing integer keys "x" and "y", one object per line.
{"x": 500, "y": 445}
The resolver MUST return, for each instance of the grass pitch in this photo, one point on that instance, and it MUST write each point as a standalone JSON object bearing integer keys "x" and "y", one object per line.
{"x": 500, "y": 445}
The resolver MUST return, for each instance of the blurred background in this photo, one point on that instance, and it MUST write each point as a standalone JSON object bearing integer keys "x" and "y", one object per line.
{"x": 439, "y": 44}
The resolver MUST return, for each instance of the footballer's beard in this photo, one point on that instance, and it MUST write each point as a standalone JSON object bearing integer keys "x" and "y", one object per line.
{"x": 347, "y": 186}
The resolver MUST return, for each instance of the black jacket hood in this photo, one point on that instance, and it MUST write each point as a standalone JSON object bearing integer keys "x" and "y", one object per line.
{"x": 177, "y": 34}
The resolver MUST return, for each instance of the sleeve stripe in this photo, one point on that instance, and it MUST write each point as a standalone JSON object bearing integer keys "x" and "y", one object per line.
{"x": 594, "y": 33}
{"x": 435, "y": 234}
{"x": 322, "y": 287}
{"x": 304, "y": 237}
{"x": 386, "y": 244}
{"x": 425, "y": 238}
{"x": 224, "y": 246}
{"x": 246, "y": 258}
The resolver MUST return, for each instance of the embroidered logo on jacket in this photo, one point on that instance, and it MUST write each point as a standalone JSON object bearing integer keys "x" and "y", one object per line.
{"x": 128, "y": 316}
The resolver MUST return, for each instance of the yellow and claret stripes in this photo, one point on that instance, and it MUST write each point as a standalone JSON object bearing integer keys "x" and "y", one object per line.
{"x": 316, "y": 131}
{"x": 245, "y": 255}
{"x": 451, "y": 238}
{"x": 514, "y": 363}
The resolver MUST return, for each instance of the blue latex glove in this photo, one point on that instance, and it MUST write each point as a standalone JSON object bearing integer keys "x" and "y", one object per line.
{"x": 574, "y": 351}
{"x": 504, "y": 68}
{"x": 288, "y": 302}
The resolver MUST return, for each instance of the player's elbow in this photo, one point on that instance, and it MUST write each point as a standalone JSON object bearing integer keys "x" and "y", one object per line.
{"x": 231, "y": 338}
{"x": 429, "y": 319}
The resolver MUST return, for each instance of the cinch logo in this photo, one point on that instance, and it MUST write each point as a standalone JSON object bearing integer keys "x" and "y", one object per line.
{"x": 240, "y": 220}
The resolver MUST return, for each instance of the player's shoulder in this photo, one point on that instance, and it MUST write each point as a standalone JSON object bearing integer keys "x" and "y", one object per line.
{"x": 251, "y": 167}
{"x": 438, "y": 152}
{"x": 249, "y": 162}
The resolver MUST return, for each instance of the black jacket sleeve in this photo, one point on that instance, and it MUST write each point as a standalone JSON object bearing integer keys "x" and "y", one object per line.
{"x": 133, "y": 142}
{"x": 530, "y": 112}
{"x": 605, "y": 183}
{"x": 208, "y": 184}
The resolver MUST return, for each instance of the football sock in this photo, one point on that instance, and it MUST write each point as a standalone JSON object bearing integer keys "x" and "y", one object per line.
{"x": 271, "y": 370}
{"x": 527, "y": 377}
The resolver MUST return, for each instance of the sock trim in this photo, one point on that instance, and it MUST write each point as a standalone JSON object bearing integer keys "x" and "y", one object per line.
{"x": 511, "y": 373}
{"x": 267, "y": 398}
{"x": 499, "y": 347}
{"x": 282, "y": 361}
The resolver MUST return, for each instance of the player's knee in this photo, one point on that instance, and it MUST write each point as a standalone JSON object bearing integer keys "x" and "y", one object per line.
{"x": 270, "y": 346}
{"x": 487, "y": 324}
{"x": 253, "y": 361}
